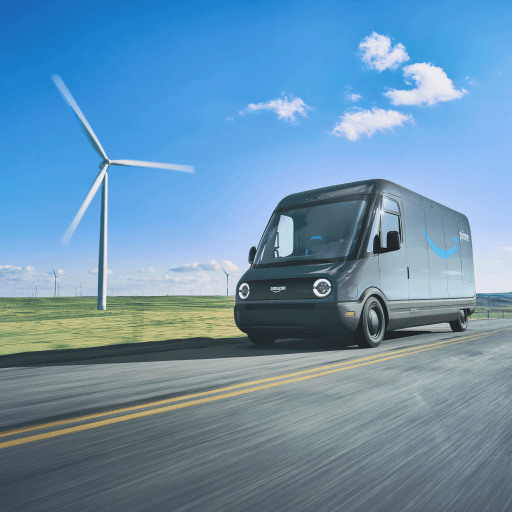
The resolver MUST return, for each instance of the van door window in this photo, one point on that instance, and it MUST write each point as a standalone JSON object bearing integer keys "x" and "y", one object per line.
{"x": 390, "y": 205}
{"x": 390, "y": 220}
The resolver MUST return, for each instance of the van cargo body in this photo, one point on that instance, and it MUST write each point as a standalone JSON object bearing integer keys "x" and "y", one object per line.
{"x": 359, "y": 258}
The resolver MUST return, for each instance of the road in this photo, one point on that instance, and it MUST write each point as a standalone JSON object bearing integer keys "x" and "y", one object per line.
{"x": 422, "y": 423}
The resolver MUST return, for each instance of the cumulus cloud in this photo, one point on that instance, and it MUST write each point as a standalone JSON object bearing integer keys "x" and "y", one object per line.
{"x": 506, "y": 249}
{"x": 377, "y": 52}
{"x": 228, "y": 266}
{"x": 95, "y": 271}
{"x": 432, "y": 86}
{"x": 285, "y": 108}
{"x": 149, "y": 270}
{"x": 367, "y": 122}
{"x": 350, "y": 96}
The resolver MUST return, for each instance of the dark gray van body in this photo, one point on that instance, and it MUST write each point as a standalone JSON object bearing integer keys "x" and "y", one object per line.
{"x": 429, "y": 279}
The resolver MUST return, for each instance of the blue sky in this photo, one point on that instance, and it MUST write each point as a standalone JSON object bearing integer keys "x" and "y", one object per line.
{"x": 262, "y": 100}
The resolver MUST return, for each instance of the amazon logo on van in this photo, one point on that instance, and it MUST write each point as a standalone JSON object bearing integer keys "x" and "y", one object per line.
{"x": 441, "y": 252}
{"x": 277, "y": 289}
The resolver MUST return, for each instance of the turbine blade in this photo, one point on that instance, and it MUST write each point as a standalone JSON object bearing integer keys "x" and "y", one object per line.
{"x": 85, "y": 204}
{"x": 81, "y": 118}
{"x": 156, "y": 165}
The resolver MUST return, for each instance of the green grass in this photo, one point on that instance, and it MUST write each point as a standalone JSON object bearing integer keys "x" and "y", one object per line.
{"x": 28, "y": 325}
{"x": 481, "y": 313}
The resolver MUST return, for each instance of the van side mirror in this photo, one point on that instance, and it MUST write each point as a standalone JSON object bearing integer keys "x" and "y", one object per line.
{"x": 393, "y": 241}
{"x": 252, "y": 254}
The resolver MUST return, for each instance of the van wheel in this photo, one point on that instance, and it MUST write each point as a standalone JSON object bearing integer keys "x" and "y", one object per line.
{"x": 372, "y": 325}
{"x": 461, "y": 324}
{"x": 262, "y": 339}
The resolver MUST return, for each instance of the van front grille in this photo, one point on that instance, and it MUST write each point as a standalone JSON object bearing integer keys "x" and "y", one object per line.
{"x": 280, "y": 306}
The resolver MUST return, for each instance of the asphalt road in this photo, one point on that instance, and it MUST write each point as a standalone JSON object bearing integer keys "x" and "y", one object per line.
{"x": 423, "y": 423}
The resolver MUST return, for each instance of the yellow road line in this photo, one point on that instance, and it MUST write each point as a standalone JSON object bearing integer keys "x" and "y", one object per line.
{"x": 119, "y": 419}
{"x": 234, "y": 386}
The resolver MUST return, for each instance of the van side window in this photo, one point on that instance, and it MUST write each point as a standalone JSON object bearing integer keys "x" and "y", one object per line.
{"x": 390, "y": 220}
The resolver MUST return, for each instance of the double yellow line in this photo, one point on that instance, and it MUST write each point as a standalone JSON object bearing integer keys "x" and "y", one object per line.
{"x": 216, "y": 394}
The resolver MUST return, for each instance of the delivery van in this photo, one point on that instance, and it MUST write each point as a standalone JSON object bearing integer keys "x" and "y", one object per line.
{"x": 357, "y": 259}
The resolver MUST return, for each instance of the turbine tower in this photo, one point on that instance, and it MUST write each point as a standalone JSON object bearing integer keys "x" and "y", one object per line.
{"x": 102, "y": 179}
{"x": 55, "y": 293}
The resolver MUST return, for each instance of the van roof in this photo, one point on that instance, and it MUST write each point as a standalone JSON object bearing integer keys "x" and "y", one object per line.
{"x": 376, "y": 186}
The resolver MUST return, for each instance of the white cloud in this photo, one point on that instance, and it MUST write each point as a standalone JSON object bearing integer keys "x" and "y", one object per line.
{"x": 432, "y": 86}
{"x": 95, "y": 271}
{"x": 149, "y": 270}
{"x": 350, "y": 96}
{"x": 60, "y": 272}
{"x": 506, "y": 249}
{"x": 228, "y": 266}
{"x": 377, "y": 52}
{"x": 229, "y": 119}
{"x": 285, "y": 108}
{"x": 28, "y": 273}
{"x": 354, "y": 124}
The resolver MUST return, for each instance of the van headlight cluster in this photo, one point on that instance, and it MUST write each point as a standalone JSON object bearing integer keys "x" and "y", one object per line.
{"x": 243, "y": 291}
{"x": 322, "y": 288}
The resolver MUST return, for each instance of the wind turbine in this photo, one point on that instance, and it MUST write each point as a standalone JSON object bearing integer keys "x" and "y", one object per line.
{"x": 227, "y": 282}
{"x": 55, "y": 292}
{"x": 102, "y": 179}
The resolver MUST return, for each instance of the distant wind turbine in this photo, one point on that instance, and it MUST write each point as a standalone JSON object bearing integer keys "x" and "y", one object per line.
{"x": 55, "y": 277}
{"x": 227, "y": 281}
{"x": 102, "y": 178}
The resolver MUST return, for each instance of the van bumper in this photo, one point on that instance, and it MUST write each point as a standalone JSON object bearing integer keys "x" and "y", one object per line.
{"x": 298, "y": 319}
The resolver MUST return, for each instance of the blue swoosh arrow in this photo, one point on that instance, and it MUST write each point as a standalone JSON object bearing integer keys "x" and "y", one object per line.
{"x": 441, "y": 252}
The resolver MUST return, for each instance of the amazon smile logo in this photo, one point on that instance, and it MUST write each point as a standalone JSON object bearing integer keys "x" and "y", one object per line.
{"x": 441, "y": 252}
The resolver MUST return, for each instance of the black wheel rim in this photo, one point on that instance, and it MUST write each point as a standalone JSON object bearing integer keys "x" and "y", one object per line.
{"x": 375, "y": 321}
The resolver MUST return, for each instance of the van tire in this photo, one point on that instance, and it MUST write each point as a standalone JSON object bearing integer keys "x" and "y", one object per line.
{"x": 372, "y": 325}
{"x": 461, "y": 324}
{"x": 262, "y": 339}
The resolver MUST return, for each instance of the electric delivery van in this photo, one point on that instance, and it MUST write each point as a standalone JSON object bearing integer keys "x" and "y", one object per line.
{"x": 357, "y": 259}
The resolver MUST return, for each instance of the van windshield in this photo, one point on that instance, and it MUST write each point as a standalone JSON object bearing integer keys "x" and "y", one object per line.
{"x": 324, "y": 231}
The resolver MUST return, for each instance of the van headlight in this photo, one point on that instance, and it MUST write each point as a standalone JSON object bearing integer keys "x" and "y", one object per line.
{"x": 243, "y": 291}
{"x": 322, "y": 288}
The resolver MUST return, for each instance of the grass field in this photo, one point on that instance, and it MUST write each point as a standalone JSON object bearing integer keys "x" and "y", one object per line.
{"x": 482, "y": 313}
{"x": 28, "y": 325}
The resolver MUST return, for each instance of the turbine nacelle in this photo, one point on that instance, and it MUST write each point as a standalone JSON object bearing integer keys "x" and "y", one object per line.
{"x": 105, "y": 162}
